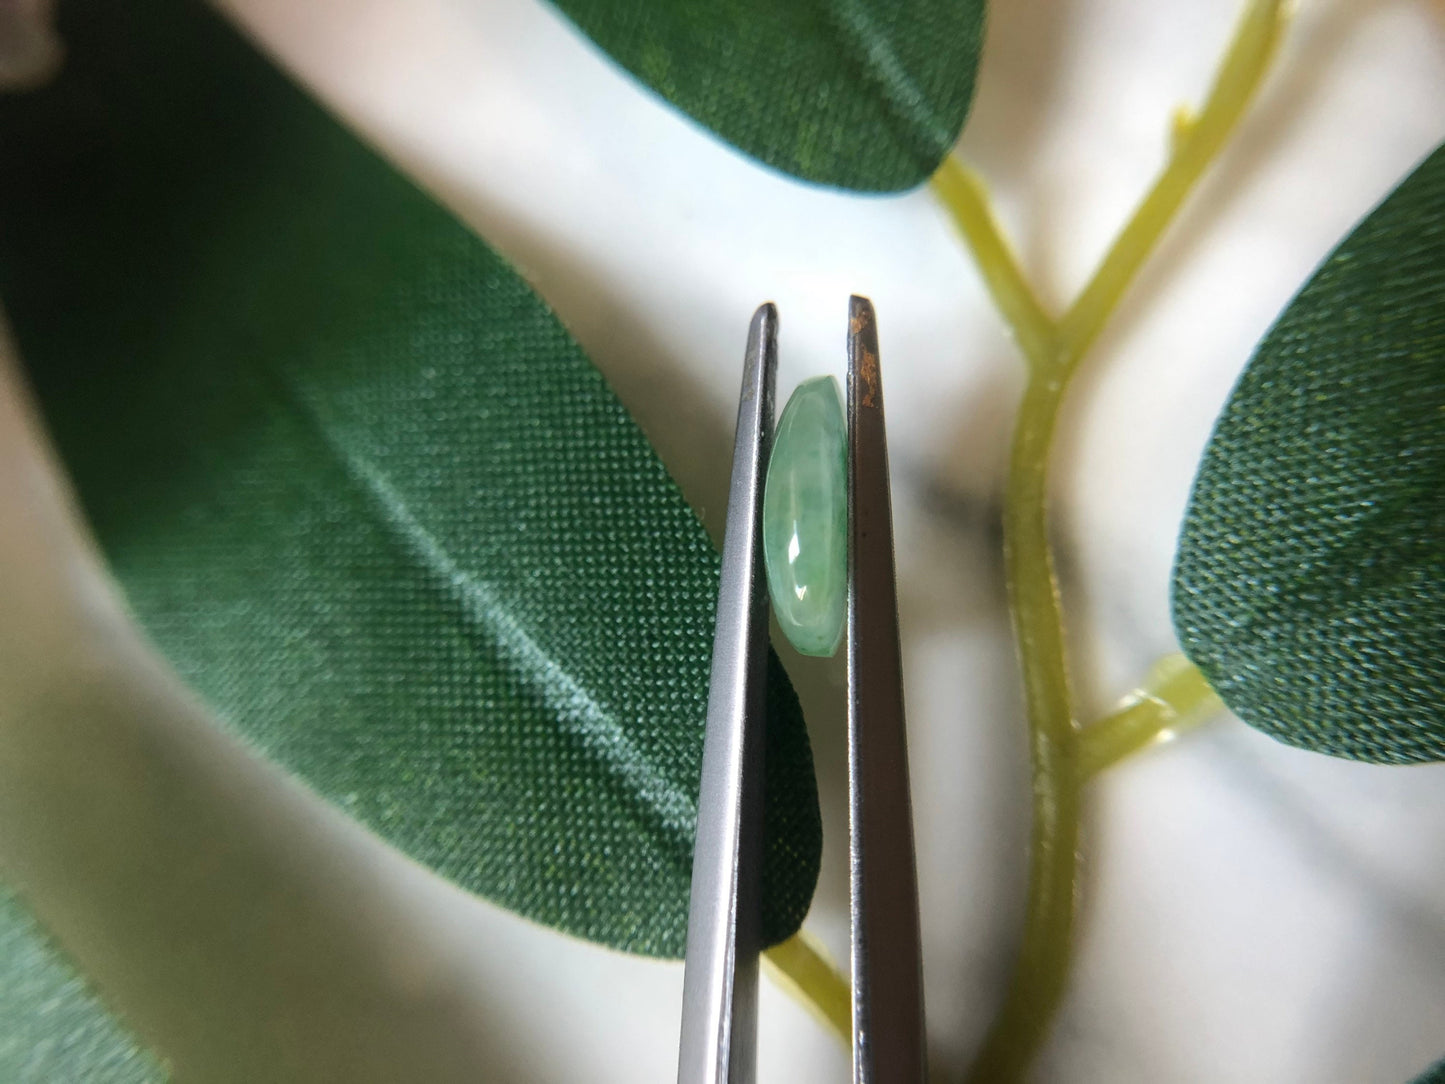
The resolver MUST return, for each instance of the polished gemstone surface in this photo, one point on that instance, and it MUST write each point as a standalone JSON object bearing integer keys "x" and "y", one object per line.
{"x": 805, "y": 518}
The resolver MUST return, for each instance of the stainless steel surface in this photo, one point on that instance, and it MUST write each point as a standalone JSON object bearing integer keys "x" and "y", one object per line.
{"x": 888, "y": 1029}
{"x": 720, "y": 982}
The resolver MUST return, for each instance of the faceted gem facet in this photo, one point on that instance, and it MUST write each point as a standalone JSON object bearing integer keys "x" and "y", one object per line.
{"x": 805, "y": 518}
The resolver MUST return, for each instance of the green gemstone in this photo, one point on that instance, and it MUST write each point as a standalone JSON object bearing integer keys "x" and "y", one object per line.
{"x": 805, "y": 518}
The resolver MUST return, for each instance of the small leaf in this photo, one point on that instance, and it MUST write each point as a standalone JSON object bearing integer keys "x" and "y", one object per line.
{"x": 1310, "y": 581}
{"x": 862, "y": 94}
{"x": 365, "y": 491}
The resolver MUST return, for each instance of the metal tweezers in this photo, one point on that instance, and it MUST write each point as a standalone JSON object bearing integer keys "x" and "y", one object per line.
{"x": 719, "y": 1003}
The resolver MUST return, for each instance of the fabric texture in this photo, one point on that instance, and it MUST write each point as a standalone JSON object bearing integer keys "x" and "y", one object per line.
{"x": 860, "y": 94}
{"x": 365, "y": 491}
{"x": 1310, "y": 581}
{"x": 53, "y": 1030}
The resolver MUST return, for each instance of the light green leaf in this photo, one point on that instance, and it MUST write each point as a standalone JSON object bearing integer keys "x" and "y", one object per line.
{"x": 862, "y": 94}
{"x": 52, "y": 1028}
{"x": 365, "y": 491}
{"x": 1310, "y": 582}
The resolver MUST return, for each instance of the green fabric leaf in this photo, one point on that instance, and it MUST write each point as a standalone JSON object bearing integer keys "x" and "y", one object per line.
{"x": 1433, "y": 1075}
{"x": 365, "y": 491}
{"x": 862, "y": 94}
{"x": 53, "y": 1029}
{"x": 1310, "y": 581}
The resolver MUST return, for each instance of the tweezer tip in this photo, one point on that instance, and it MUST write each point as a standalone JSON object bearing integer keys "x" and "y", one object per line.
{"x": 860, "y": 313}
{"x": 760, "y": 367}
{"x": 865, "y": 389}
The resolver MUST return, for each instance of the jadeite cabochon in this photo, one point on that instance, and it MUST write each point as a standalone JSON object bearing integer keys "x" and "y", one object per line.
{"x": 805, "y": 517}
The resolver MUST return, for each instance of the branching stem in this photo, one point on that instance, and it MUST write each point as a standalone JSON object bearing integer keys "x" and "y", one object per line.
{"x": 1174, "y": 695}
{"x": 1173, "y": 698}
{"x": 966, "y": 197}
{"x": 1061, "y": 757}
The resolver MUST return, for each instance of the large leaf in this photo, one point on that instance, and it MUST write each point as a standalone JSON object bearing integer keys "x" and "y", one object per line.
{"x": 1310, "y": 583}
{"x": 52, "y": 1029}
{"x": 365, "y": 491}
{"x": 863, "y": 94}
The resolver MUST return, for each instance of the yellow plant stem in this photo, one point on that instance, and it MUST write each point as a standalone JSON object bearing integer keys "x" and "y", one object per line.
{"x": 1174, "y": 695}
{"x": 1061, "y": 758}
{"x": 966, "y": 197}
{"x": 801, "y": 966}
{"x": 1196, "y": 141}
{"x": 1042, "y": 965}
{"x": 1173, "y": 698}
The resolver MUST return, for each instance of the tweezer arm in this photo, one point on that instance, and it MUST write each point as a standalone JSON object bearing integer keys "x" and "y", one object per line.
{"x": 888, "y": 1031}
{"x": 720, "y": 982}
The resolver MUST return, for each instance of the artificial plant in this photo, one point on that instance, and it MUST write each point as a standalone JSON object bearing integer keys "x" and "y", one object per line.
{"x": 364, "y": 383}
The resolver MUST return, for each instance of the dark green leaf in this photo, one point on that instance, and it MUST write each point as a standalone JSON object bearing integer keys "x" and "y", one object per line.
{"x": 52, "y": 1029}
{"x": 1433, "y": 1075}
{"x": 863, "y": 94}
{"x": 365, "y": 491}
{"x": 1310, "y": 583}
